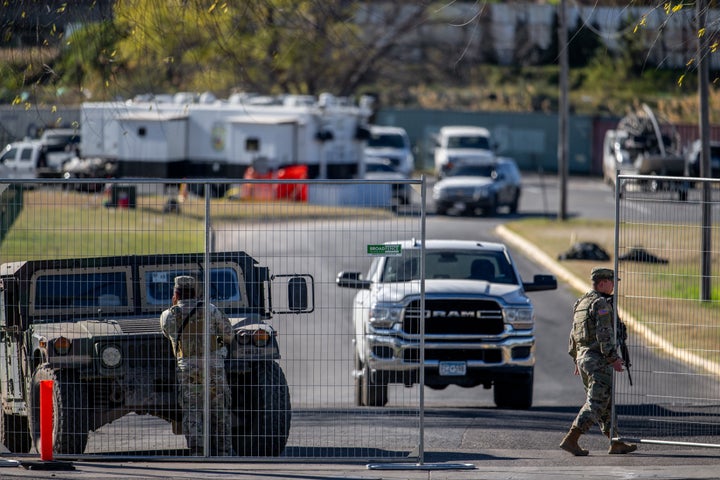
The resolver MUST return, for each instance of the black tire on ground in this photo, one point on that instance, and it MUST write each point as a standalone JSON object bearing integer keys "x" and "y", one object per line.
{"x": 358, "y": 381}
{"x": 71, "y": 411}
{"x": 491, "y": 209}
{"x": 15, "y": 434}
{"x": 374, "y": 392}
{"x": 261, "y": 401}
{"x": 514, "y": 393}
{"x": 515, "y": 203}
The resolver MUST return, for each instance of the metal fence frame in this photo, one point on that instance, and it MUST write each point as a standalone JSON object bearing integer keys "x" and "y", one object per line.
{"x": 211, "y": 235}
{"x": 672, "y": 399}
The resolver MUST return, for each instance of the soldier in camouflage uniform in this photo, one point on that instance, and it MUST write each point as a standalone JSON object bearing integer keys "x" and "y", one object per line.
{"x": 593, "y": 350}
{"x": 183, "y": 324}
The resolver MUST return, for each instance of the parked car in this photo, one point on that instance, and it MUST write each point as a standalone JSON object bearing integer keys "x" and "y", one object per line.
{"x": 391, "y": 144}
{"x": 693, "y": 159}
{"x": 488, "y": 186}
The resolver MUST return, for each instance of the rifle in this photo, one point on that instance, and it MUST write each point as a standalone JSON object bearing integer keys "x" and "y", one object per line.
{"x": 625, "y": 353}
{"x": 621, "y": 336}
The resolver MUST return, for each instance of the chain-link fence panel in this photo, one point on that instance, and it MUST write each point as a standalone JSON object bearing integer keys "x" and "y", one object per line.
{"x": 667, "y": 238}
{"x": 174, "y": 322}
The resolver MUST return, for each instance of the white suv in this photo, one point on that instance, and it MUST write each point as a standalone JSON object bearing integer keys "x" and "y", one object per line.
{"x": 391, "y": 144}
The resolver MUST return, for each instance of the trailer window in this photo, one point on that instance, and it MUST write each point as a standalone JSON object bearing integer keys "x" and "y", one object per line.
{"x": 252, "y": 144}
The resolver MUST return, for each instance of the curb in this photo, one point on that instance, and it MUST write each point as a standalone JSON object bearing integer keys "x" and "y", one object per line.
{"x": 541, "y": 258}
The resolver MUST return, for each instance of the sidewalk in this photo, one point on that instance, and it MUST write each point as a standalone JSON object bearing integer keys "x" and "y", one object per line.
{"x": 488, "y": 464}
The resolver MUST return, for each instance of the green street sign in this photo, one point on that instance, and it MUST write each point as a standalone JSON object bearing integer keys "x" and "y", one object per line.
{"x": 385, "y": 250}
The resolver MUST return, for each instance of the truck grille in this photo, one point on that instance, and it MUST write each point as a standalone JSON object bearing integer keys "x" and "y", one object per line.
{"x": 139, "y": 325}
{"x": 455, "y": 317}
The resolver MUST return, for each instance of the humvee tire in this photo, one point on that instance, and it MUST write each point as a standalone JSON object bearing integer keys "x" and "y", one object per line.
{"x": 14, "y": 433}
{"x": 70, "y": 413}
{"x": 261, "y": 401}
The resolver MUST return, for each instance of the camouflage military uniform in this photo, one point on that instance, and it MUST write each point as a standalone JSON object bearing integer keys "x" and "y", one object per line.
{"x": 188, "y": 345}
{"x": 592, "y": 346}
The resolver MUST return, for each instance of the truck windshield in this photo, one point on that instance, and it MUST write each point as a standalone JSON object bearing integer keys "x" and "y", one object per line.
{"x": 469, "y": 142}
{"x": 386, "y": 140}
{"x": 454, "y": 265}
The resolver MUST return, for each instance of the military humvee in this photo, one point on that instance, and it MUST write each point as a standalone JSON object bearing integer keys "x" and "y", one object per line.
{"x": 92, "y": 326}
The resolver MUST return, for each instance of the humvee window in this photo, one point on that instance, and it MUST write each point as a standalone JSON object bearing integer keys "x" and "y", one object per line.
{"x": 224, "y": 285}
{"x": 72, "y": 290}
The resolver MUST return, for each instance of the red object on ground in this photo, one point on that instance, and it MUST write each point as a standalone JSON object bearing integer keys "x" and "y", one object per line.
{"x": 293, "y": 191}
{"x": 46, "y": 420}
{"x": 289, "y": 191}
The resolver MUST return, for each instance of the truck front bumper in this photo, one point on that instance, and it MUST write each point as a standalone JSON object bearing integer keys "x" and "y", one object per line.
{"x": 396, "y": 354}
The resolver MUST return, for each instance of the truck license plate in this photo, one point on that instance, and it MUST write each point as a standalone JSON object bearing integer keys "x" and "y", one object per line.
{"x": 448, "y": 369}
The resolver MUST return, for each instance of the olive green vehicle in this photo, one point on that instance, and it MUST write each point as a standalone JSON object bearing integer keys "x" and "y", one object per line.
{"x": 92, "y": 326}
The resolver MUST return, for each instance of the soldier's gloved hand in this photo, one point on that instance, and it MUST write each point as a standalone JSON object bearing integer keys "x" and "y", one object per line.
{"x": 617, "y": 365}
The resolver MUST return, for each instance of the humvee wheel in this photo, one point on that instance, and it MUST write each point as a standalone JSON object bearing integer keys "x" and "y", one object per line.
{"x": 261, "y": 401}
{"x": 70, "y": 414}
{"x": 14, "y": 433}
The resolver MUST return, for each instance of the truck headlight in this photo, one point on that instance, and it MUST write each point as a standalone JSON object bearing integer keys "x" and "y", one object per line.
{"x": 61, "y": 345}
{"x": 110, "y": 356}
{"x": 519, "y": 318}
{"x": 384, "y": 316}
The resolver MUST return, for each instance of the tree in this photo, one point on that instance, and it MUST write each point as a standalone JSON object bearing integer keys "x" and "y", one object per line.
{"x": 266, "y": 46}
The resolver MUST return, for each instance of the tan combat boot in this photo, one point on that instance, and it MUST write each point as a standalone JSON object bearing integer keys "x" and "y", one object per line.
{"x": 570, "y": 443}
{"x": 619, "y": 448}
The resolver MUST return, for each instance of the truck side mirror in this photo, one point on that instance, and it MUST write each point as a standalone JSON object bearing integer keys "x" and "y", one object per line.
{"x": 541, "y": 283}
{"x": 297, "y": 294}
{"x": 299, "y": 297}
{"x": 352, "y": 280}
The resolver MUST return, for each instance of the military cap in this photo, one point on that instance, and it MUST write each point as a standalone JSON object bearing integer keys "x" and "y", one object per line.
{"x": 601, "y": 273}
{"x": 185, "y": 282}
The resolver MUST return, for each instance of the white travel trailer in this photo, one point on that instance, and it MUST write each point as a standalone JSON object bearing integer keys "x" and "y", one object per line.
{"x": 186, "y": 136}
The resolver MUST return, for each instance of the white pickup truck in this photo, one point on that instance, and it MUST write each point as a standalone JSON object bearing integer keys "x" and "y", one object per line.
{"x": 39, "y": 158}
{"x": 479, "y": 322}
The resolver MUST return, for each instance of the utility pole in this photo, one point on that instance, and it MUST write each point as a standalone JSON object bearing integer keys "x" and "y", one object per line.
{"x": 703, "y": 54}
{"x": 563, "y": 111}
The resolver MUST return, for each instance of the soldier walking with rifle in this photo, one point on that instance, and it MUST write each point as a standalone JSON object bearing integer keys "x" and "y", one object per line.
{"x": 594, "y": 351}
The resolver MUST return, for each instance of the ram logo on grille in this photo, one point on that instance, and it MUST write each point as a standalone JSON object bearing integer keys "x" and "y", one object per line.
{"x": 453, "y": 313}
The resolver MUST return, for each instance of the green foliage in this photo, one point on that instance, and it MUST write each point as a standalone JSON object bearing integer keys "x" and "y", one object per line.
{"x": 88, "y": 61}
{"x": 266, "y": 46}
{"x": 306, "y": 46}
